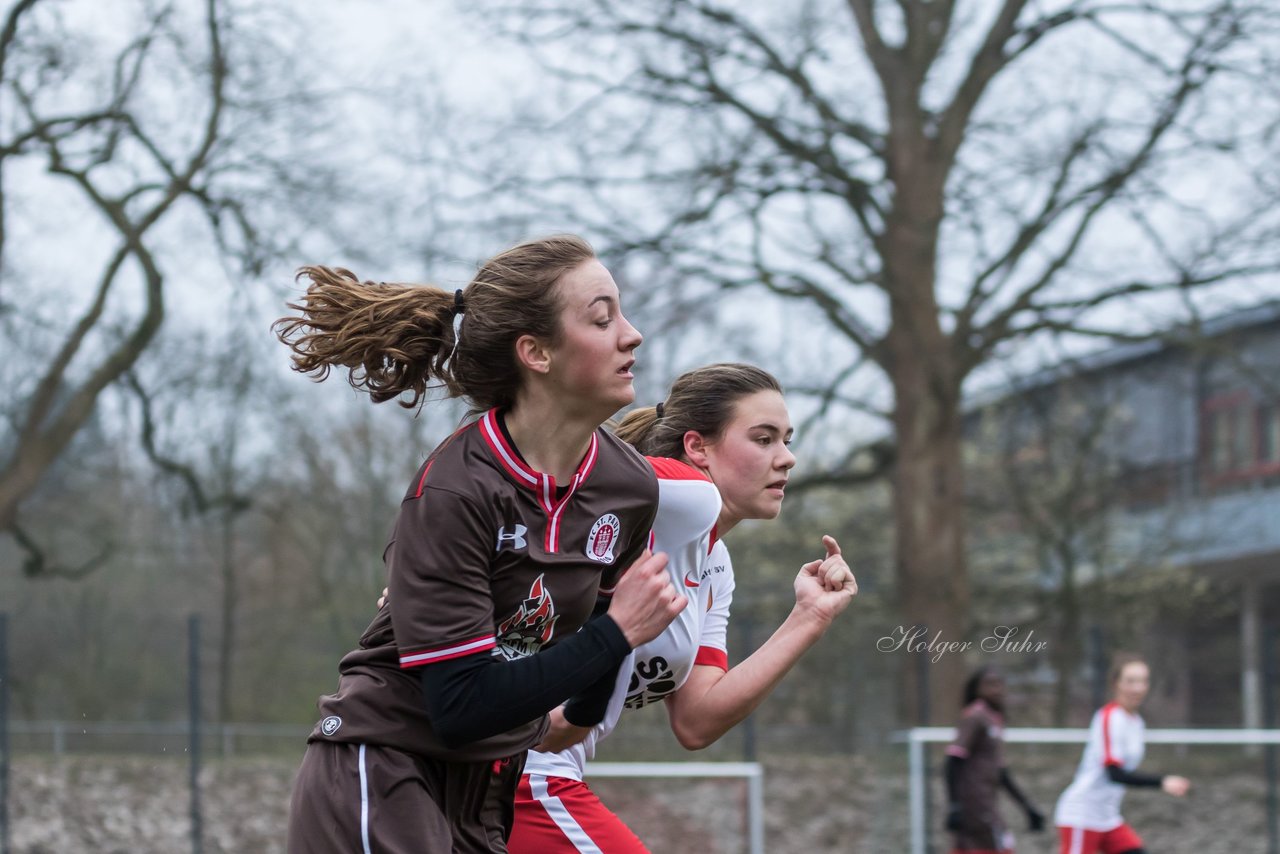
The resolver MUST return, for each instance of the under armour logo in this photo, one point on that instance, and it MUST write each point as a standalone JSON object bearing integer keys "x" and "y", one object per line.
{"x": 516, "y": 539}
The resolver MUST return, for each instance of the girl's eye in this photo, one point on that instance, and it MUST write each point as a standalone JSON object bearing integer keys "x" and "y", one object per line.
{"x": 603, "y": 324}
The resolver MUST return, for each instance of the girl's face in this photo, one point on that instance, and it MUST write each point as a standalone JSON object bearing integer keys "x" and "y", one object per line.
{"x": 1132, "y": 686}
{"x": 991, "y": 689}
{"x": 750, "y": 460}
{"x": 590, "y": 366}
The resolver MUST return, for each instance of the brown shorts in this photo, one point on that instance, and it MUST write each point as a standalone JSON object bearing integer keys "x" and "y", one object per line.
{"x": 983, "y": 835}
{"x": 366, "y": 799}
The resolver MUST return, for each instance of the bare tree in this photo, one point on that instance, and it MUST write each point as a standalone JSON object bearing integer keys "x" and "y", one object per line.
{"x": 137, "y": 155}
{"x": 924, "y": 182}
{"x": 1047, "y": 492}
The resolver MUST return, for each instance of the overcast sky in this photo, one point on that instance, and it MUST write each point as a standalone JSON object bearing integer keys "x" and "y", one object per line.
{"x": 385, "y": 55}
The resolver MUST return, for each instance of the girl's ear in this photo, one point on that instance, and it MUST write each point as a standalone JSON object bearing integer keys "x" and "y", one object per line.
{"x": 695, "y": 450}
{"x": 533, "y": 353}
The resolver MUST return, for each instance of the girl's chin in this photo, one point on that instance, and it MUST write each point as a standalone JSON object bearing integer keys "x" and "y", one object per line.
{"x": 769, "y": 510}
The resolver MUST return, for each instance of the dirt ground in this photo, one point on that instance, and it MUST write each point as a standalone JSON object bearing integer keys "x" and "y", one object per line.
{"x": 114, "y": 805}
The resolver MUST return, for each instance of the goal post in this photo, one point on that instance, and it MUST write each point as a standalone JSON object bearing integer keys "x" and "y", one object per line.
{"x": 917, "y": 740}
{"x": 752, "y": 772}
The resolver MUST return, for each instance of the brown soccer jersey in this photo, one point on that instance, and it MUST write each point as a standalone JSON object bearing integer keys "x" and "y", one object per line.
{"x": 487, "y": 555}
{"x": 980, "y": 742}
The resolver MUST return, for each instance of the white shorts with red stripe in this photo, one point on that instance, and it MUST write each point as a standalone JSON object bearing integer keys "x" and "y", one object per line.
{"x": 557, "y": 814}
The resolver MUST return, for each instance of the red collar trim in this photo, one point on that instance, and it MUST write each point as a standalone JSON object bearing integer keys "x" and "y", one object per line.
{"x": 505, "y": 454}
{"x": 510, "y": 460}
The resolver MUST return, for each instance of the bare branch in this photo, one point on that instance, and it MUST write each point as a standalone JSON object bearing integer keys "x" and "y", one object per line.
{"x": 1053, "y": 208}
{"x": 883, "y": 58}
{"x": 795, "y": 285}
{"x": 10, "y": 30}
{"x": 47, "y": 435}
{"x": 57, "y": 127}
{"x": 203, "y": 503}
{"x": 7, "y": 35}
{"x": 51, "y": 384}
{"x": 794, "y": 74}
{"x": 804, "y": 156}
{"x": 1196, "y": 70}
{"x": 984, "y": 66}
{"x": 38, "y": 564}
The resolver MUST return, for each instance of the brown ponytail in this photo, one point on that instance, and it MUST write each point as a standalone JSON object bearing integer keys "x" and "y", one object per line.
{"x": 398, "y": 339}
{"x": 392, "y": 337}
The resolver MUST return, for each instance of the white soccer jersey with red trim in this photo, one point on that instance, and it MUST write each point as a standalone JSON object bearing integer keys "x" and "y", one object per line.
{"x": 688, "y": 505}
{"x": 1092, "y": 801}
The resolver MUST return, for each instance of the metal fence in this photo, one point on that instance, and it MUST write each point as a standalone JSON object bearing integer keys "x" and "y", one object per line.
{"x": 62, "y": 738}
{"x": 916, "y": 740}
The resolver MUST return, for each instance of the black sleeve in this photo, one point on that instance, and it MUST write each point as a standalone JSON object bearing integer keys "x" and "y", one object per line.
{"x": 587, "y": 708}
{"x": 1116, "y": 774}
{"x": 1006, "y": 780}
{"x": 477, "y": 696}
{"x": 954, "y": 764}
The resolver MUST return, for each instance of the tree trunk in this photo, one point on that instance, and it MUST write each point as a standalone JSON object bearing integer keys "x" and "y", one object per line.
{"x": 1065, "y": 653}
{"x": 932, "y": 585}
{"x": 17, "y": 482}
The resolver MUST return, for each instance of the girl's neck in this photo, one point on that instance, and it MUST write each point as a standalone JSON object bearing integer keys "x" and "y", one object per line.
{"x": 550, "y": 440}
{"x": 728, "y": 520}
{"x": 726, "y": 523}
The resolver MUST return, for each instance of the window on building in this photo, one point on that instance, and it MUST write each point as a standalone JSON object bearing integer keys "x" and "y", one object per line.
{"x": 1241, "y": 438}
{"x": 1216, "y": 424}
{"x": 1269, "y": 433}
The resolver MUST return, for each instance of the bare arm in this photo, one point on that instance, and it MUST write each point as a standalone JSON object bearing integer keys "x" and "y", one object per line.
{"x": 712, "y": 700}
{"x": 561, "y": 735}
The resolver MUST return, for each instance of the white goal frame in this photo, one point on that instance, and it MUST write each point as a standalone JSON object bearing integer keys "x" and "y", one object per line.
{"x": 753, "y": 772}
{"x": 917, "y": 738}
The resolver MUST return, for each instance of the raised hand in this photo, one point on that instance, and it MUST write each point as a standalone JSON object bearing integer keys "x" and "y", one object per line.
{"x": 826, "y": 587}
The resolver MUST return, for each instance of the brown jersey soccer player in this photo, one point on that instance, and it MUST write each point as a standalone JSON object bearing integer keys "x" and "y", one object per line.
{"x": 976, "y": 772}
{"x": 503, "y": 539}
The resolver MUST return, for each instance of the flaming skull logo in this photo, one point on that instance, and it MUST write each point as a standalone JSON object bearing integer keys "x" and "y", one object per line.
{"x": 531, "y": 626}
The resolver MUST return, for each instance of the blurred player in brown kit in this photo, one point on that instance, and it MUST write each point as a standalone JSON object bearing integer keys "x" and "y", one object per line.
{"x": 976, "y": 771}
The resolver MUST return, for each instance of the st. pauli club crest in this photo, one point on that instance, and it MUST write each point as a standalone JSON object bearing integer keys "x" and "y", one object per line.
{"x": 604, "y": 534}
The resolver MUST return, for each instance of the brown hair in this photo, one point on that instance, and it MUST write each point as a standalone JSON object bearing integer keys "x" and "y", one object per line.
{"x": 1119, "y": 662}
{"x": 399, "y": 338}
{"x": 701, "y": 400}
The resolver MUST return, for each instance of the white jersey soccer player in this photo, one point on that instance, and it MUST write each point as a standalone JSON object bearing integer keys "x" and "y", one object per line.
{"x": 1092, "y": 801}
{"x": 1088, "y": 815}
{"x": 688, "y": 504}
{"x": 729, "y": 422}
